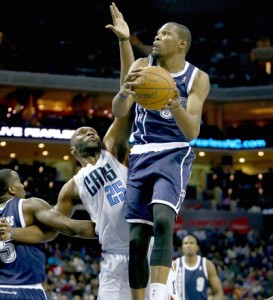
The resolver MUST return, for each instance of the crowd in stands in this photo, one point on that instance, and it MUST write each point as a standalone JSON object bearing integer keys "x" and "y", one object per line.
{"x": 80, "y": 44}
{"x": 46, "y": 119}
{"x": 244, "y": 264}
{"x": 244, "y": 261}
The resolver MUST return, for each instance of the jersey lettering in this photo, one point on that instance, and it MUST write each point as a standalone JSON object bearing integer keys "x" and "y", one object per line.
{"x": 10, "y": 219}
{"x": 7, "y": 252}
{"x": 200, "y": 284}
{"x": 115, "y": 192}
{"x": 140, "y": 117}
{"x": 97, "y": 178}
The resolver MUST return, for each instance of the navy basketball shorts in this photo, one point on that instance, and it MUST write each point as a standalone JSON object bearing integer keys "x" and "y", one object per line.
{"x": 22, "y": 292}
{"x": 156, "y": 177}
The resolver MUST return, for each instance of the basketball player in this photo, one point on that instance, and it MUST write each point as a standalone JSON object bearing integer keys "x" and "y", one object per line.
{"x": 100, "y": 186}
{"x": 194, "y": 273}
{"x": 22, "y": 267}
{"x": 103, "y": 177}
{"x": 160, "y": 161}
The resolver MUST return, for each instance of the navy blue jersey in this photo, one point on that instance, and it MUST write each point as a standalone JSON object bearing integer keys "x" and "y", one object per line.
{"x": 155, "y": 126}
{"x": 20, "y": 264}
{"x": 192, "y": 282}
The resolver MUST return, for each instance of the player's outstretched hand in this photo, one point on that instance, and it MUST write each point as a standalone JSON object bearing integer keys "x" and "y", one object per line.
{"x": 119, "y": 26}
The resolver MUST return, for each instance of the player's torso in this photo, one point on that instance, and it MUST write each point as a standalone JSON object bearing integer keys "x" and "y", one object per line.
{"x": 192, "y": 281}
{"x": 102, "y": 189}
{"x": 152, "y": 126}
{"x": 21, "y": 264}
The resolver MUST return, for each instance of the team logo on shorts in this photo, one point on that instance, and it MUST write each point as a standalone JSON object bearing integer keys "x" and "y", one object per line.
{"x": 182, "y": 195}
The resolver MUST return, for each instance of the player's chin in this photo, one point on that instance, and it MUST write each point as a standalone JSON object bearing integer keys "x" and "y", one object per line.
{"x": 155, "y": 53}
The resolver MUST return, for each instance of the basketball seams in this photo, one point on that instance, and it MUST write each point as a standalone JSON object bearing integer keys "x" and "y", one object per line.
{"x": 160, "y": 76}
{"x": 155, "y": 87}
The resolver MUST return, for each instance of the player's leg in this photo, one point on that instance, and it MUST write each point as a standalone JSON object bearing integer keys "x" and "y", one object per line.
{"x": 140, "y": 235}
{"x": 113, "y": 277}
{"x": 162, "y": 254}
{"x": 172, "y": 291}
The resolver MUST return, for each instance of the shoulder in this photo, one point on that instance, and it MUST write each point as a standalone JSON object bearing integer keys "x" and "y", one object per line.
{"x": 210, "y": 267}
{"x": 201, "y": 84}
{"x": 31, "y": 200}
{"x": 140, "y": 62}
{"x": 33, "y": 204}
{"x": 69, "y": 188}
{"x": 202, "y": 76}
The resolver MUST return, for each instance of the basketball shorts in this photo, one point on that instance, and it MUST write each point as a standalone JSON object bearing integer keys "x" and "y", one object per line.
{"x": 22, "y": 292}
{"x": 156, "y": 177}
{"x": 114, "y": 277}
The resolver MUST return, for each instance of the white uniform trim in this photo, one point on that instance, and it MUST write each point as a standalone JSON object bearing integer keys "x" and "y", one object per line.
{"x": 139, "y": 149}
{"x": 37, "y": 286}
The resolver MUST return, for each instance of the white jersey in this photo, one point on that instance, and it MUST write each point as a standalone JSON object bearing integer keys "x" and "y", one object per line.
{"x": 102, "y": 188}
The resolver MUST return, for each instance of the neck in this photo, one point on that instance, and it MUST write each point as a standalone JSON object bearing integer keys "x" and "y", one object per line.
{"x": 191, "y": 260}
{"x": 92, "y": 159}
{"x": 4, "y": 199}
{"x": 173, "y": 64}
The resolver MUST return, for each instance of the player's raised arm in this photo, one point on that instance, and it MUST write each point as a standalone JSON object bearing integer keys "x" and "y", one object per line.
{"x": 67, "y": 198}
{"x": 121, "y": 29}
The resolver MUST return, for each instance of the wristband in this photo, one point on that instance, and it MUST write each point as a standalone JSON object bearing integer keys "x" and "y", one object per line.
{"x": 123, "y": 39}
{"x": 171, "y": 110}
{"x": 11, "y": 234}
{"x": 123, "y": 97}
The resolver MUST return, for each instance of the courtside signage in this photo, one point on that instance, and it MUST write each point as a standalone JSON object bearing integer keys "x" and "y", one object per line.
{"x": 38, "y": 133}
{"x": 228, "y": 143}
{"x": 65, "y": 134}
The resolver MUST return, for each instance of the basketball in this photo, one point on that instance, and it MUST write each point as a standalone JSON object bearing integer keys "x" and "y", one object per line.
{"x": 154, "y": 87}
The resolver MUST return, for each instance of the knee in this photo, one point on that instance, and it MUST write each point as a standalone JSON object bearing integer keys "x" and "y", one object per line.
{"x": 163, "y": 224}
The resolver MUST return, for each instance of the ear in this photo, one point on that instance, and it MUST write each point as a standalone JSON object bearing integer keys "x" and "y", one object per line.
{"x": 11, "y": 190}
{"x": 182, "y": 43}
{"x": 72, "y": 150}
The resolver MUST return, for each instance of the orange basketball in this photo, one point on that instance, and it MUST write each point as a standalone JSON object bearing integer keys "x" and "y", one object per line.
{"x": 155, "y": 86}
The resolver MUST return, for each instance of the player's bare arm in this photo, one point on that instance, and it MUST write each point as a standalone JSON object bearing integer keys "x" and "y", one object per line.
{"x": 30, "y": 234}
{"x": 36, "y": 209}
{"x": 123, "y": 101}
{"x": 119, "y": 27}
{"x": 116, "y": 138}
{"x": 215, "y": 282}
{"x": 189, "y": 120}
{"x": 67, "y": 198}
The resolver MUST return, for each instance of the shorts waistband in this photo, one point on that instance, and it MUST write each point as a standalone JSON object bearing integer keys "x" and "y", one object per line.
{"x": 139, "y": 149}
{"x": 37, "y": 286}
{"x": 112, "y": 252}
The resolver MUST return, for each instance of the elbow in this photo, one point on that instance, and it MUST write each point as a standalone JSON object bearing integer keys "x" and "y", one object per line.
{"x": 193, "y": 135}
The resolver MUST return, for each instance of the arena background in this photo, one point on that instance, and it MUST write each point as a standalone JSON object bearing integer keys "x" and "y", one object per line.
{"x": 59, "y": 69}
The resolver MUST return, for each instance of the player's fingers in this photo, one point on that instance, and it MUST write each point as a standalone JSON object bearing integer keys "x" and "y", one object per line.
{"x": 110, "y": 26}
{"x": 116, "y": 10}
{"x": 113, "y": 15}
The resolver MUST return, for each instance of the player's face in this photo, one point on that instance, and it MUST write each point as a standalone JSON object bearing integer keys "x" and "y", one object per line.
{"x": 166, "y": 41}
{"x": 17, "y": 186}
{"x": 86, "y": 141}
{"x": 189, "y": 246}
